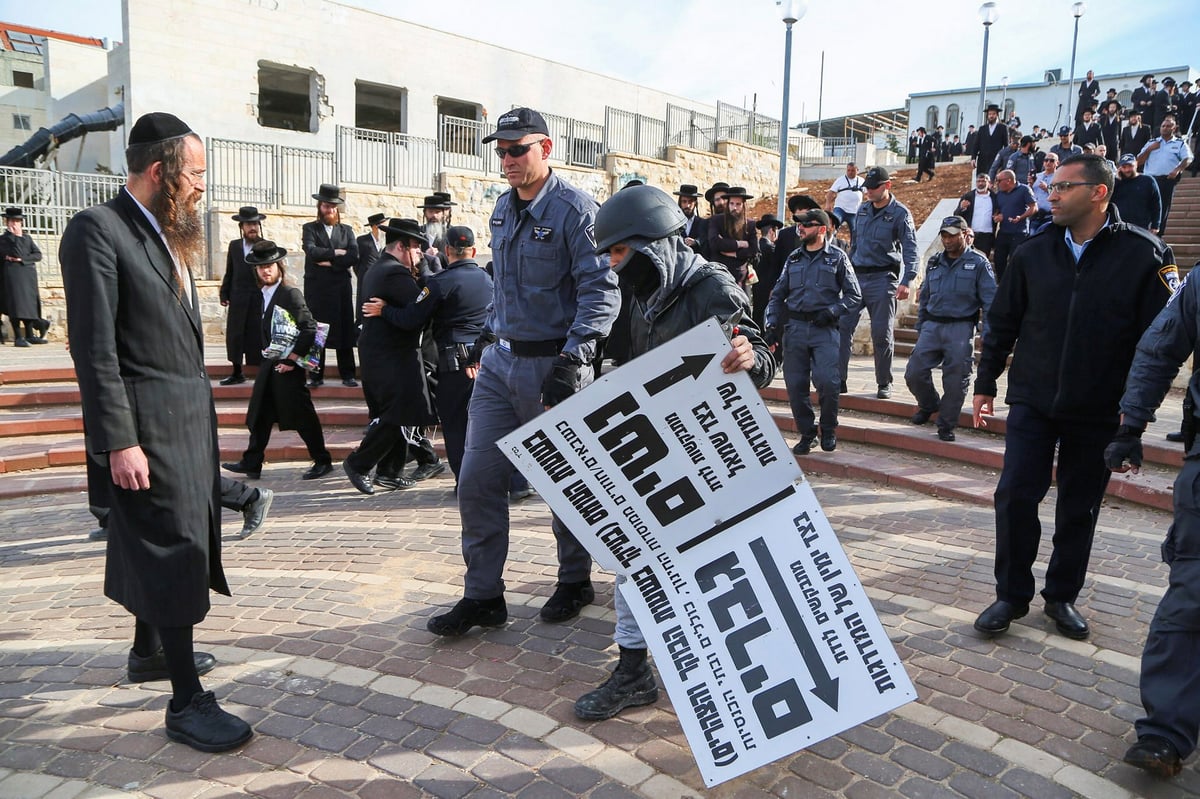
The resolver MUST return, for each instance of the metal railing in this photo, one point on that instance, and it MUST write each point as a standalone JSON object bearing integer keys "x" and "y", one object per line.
{"x": 382, "y": 158}
{"x": 265, "y": 175}
{"x": 742, "y": 125}
{"x": 834, "y": 150}
{"x": 689, "y": 128}
{"x": 576, "y": 142}
{"x": 636, "y": 134}
{"x": 49, "y": 200}
{"x": 460, "y": 144}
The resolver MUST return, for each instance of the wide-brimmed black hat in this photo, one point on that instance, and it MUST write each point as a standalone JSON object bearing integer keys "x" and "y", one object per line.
{"x": 329, "y": 193}
{"x": 248, "y": 213}
{"x": 265, "y": 251}
{"x": 768, "y": 220}
{"x": 397, "y": 228}
{"x": 738, "y": 191}
{"x": 992, "y": 107}
{"x": 688, "y": 190}
{"x": 13, "y": 212}
{"x": 375, "y": 219}
{"x": 436, "y": 201}
{"x": 517, "y": 124}
{"x": 719, "y": 186}
{"x": 801, "y": 202}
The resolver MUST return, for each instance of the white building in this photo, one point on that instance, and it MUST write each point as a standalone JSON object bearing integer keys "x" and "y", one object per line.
{"x": 1047, "y": 104}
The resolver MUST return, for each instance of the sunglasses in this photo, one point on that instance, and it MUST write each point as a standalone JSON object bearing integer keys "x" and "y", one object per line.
{"x": 517, "y": 150}
{"x": 811, "y": 224}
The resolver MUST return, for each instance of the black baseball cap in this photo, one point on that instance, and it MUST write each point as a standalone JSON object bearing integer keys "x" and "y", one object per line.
{"x": 517, "y": 124}
{"x": 876, "y": 176}
{"x": 460, "y": 236}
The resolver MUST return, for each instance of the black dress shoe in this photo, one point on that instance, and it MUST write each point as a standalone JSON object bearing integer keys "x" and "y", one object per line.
{"x": 921, "y": 416}
{"x": 315, "y": 383}
{"x": 945, "y": 434}
{"x": 254, "y": 514}
{"x": 350, "y": 382}
{"x": 999, "y": 615}
{"x": 805, "y": 444}
{"x": 397, "y": 483}
{"x": 241, "y": 467}
{"x": 828, "y": 440}
{"x": 317, "y": 470}
{"x": 205, "y": 726}
{"x": 1067, "y": 620}
{"x": 357, "y": 479}
{"x": 1176, "y": 437}
{"x": 468, "y": 613}
{"x": 568, "y": 600}
{"x": 1156, "y": 755}
{"x": 427, "y": 470}
{"x": 154, "y": 667}
{"x": 233, "y": 379}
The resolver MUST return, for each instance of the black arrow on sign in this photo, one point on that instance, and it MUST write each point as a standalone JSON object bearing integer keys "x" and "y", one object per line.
{"x": 693, "y": 366}
{"x": 825, "y": 687}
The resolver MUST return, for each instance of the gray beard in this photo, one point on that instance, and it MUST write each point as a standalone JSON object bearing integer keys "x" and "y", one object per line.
{"x": 436, "y": 233}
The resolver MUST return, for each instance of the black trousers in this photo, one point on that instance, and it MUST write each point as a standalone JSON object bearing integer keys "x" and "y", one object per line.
{"x": 310, "y": 432}
{"x": 1166, "y": 188}
{"x": 453, "y": 396}
{"x": 1029, "y": 460}
{"x": 346, "y": 366}
{"x": 386, "y": 448}
{"x": 235, "y": 495}
{"x": 1005, "y": 244}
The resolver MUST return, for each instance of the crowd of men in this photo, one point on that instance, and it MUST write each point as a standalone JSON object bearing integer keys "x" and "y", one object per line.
{"x": 505, "y": 344}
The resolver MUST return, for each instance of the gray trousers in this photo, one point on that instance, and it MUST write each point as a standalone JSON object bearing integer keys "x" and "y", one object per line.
{"x": 507, "y": 394}
{"x": 810, "y": 356}
{"x": 879, "y": 301}
{"x": 626, "y": 633}
{"x": 947, "y": 344}
{"x": 1170, "y": 681}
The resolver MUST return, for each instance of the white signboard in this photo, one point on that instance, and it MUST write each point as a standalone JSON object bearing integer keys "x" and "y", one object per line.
{"x": 673, "y": 473}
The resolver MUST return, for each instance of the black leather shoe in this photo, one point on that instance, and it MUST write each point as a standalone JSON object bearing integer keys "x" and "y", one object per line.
{"x": 154, "y": 667}
{"x": 241, "y": 467}
{"x": 315, "y": 383}
{"x": 350, "y": 382}
{"x": 427, "y": 470}
{"x": 205, "y": 726}
{"x": 842, "y": 389}
{"x": 828, "y": 440}
{"x": 999, "y": 615}
{"x": 805, "y": 444}
{"x": 945, "y": 434}
{"x": 357, "y": 479}
{"x": 1156, "y": 755}
{"x": 920, "y": 417}
{"x": 21, "y": 342}
{"x": 233, "y": 379}
{"x": 468, "y": 613}
{"x": 38, "y": 340}
{"x": 568, "y": 600}
{"x": 1067, "y": 620}
{"x": 317, "y": 470}
{"x": 397, "y": 483}
{"x": 254, "y": 514}
{"x": 1176, "y": 437}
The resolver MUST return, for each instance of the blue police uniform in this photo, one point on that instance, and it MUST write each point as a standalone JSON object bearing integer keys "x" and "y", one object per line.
{"x": 455, "y": 300}
{"x": 552, "y": 294}
{"x": 1170, "y": 681}
{"x": 884, "y": 248}
{"x": 815, "y": 289}
{"x": 954, "y": 292}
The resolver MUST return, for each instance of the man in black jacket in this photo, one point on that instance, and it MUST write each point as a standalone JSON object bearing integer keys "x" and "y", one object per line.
{"x": 1075, "y": 301}
{"x": 1136, "y": 136}
{"x": 239, "y": 295}
{"x": 370, "y": 246}
{"x": 989, "y": 140}
{"x": 330, "y": 252}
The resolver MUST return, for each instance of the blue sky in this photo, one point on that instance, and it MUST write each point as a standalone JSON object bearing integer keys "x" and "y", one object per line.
{"x": 876, "y": 51}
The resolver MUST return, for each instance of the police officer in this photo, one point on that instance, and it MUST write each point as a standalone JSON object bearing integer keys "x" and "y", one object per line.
{"x": 673, "y": 290}
{"x": 456, "y": 300}
{"x": 1167, "y": 733}
{"x": 958, "y": 283}
{"x": 552, "y": 299}
{"x": 884, "y": 255}
{"x": 817, "y": 287}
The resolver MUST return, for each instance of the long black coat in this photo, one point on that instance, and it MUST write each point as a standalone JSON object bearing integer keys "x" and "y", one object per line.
{"x": 21, "y": 297}
{"x": 368, "y": 253}
{"x": 1134, "y": 141}
{"x": 327, "y": 289}
{"x": 139, "y": 358}
{"x": 988, "y": 145}
{"x": 243, "y": 315}
{"x": 393, "y": 373}
{"x": 283, "y": 399}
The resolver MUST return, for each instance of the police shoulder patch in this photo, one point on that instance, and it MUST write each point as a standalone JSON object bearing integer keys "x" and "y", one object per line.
{"x": 1169, "y": 275}
{"x": 424, "y": 293}
{"x": 590, "y": 232}
{"x": 497, "y": 221}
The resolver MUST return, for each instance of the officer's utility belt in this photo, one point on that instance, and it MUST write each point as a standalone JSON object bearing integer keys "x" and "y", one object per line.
{"x": 451, "y": 357}
{"x": 869, "y": 270}
{"x": 533, "y": 349}
{"x": 804, "y": 316}
{"x": 947, "y": 320}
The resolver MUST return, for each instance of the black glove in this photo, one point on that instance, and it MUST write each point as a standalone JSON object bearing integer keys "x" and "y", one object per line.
{"x": 476, "y": 352}
{"x": 825, "y": 318}
{"x": 771, "y": 337}
{"x": 1126, "y": 447}
{"x": 562, "y": 380}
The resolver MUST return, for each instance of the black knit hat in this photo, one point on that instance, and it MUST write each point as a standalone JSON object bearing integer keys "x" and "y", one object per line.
{"x": 157, "y": 126}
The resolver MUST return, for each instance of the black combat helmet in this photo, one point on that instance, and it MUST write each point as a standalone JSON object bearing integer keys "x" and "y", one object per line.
{"x": 644, "y": 211}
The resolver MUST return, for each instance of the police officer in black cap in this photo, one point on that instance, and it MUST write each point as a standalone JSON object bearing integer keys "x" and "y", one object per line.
{"x": 456, "y": 300}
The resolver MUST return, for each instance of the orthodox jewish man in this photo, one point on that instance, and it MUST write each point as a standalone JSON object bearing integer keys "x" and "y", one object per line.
{"x": 240, "y": 296}
{"x": 330, "y": 252}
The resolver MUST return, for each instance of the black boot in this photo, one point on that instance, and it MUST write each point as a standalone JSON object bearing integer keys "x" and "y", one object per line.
{"x": 631, "y": 684}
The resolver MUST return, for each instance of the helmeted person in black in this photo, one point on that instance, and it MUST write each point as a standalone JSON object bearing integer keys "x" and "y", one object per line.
{"x": 1170, "y": 681}
{"x": 673, "y": 290}
{"x": 456, "y": 300}
{"x": 241, "y": 298}
{"x": 394, "y": 381}
{"x": 1070, "y": 309}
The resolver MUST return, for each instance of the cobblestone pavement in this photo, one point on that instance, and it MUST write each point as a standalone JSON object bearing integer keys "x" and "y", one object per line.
{"x": 323, "y": 649}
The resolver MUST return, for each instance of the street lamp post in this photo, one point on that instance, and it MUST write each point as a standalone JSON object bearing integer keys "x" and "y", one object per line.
{"x": 790, "y": 11}
{"x": 1004, "y": 98}
{"x": 989, "y": 14}
{"x": 1077, "y": 9}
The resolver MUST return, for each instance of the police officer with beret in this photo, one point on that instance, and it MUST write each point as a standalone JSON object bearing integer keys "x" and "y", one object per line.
{"x": 456, "y": 300}
{"x": 816, "y": 288}
{"x": 1167, "y": 734}
{"x": 958, "y": 284}
{"x": 553, "y": 299}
